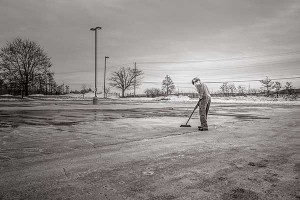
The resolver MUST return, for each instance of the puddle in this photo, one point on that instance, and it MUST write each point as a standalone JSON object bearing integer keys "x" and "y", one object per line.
{"x": 262, "y": 163}
{"x": 240, "y": 194}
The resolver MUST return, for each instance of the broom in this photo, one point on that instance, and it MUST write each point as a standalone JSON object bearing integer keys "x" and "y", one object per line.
{"x": 186, "y": 125}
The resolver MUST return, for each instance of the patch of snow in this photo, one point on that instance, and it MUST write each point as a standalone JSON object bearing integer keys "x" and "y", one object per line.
{"x": 135, "y": 98}
{"x": 254, "y": 99}
{"x": 9, "y": 99}
{"x": 173, "y": 98}
{"x": 36, "y": 95}
{"x": 6, "y": 95}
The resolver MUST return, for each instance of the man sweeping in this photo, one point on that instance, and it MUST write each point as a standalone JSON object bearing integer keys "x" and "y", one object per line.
{"x": 204, "y": 102}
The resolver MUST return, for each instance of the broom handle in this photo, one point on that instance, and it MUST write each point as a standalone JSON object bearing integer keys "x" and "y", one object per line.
{"x": 193, "y": 111}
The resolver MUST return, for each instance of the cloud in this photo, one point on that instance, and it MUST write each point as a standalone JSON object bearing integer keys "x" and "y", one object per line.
{"x": 152, "y": 30}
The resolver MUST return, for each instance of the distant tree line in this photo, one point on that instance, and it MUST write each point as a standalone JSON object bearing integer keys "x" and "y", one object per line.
{"x": 269, "y": 88}
{"x": 272, "y": 88}
{"x": 25, "y": 69}
{"x": 229, "y": 89}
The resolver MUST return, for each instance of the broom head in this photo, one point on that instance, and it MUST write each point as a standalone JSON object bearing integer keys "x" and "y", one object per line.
{"x": 185, "y": 125}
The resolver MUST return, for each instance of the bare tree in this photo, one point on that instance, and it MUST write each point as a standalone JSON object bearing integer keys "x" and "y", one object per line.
{"x": 231, "y": 88}
{"x": 277, "y": 86}
{"x": 2, "y": 83}
{"x": 267, "y": 85}
{"x": 224, "y": 88}
{"x": 147, "y": 92}
{"x": 126, "y": 79}
{"x": 241, "y": 90}
{"x": 83, "y": 89}
{"x": 51, "y": 84}
{"x": 26, "y": 60}
{"x": 63, "y": 88}
{"x": 67, "y": 89}
{"x": 289, "y": 88}
{"x": 168, "y": 85}
{"x": 153, "y": 92}
{"x": 60, "y": 89}
{"x": 39, "y": 83}
{"x": 8, "y": 79}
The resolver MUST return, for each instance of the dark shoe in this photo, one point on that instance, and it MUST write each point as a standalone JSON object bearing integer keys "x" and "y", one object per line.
{"x": 203, "y": 129}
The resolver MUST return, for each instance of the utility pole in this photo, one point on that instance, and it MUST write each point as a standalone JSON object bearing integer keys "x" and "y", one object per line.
{"x": 104, "y": 95}
{"x": 134, "y": 79}
{"x": 95, "y": 99}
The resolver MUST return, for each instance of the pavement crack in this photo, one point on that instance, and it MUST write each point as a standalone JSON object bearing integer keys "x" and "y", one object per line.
{"x": 90, "y": 142}
{"x": 65, "y": 172}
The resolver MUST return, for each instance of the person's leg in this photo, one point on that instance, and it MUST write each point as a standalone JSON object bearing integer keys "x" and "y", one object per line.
{"x": 207, "y": 107}
{"x": 202, "y": 113}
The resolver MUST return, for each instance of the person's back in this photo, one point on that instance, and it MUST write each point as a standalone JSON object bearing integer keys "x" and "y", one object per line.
{"x": 202, "y": 90}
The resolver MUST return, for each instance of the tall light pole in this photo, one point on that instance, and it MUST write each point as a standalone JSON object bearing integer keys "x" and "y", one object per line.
{"x": 95, "y": 100}
{"x": 105, "y": 76}
{"x": 134, "y": 79}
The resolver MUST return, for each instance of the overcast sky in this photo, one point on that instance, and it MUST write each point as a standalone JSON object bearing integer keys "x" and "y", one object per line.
{"x": 232, "y": 39}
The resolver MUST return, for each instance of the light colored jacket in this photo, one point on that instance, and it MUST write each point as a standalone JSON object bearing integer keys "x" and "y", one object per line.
{"x": 202, "y": 90}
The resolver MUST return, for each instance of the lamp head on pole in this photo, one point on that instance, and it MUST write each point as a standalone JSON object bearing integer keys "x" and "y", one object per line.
{"x": 96, "y": 28}
{"x": 106, "y": 57}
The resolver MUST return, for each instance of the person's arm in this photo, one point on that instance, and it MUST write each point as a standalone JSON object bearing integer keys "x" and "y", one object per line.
{"x": 198, "y": 104}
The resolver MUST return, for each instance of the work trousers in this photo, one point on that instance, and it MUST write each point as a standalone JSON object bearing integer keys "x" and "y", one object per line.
{"x": 203, "y": 111}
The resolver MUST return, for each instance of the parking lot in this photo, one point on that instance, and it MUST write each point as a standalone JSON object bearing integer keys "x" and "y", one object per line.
{"x": 137, "y": 150}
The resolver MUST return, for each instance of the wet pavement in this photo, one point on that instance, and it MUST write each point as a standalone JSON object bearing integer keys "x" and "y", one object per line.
{"x": 137, "y": 150}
